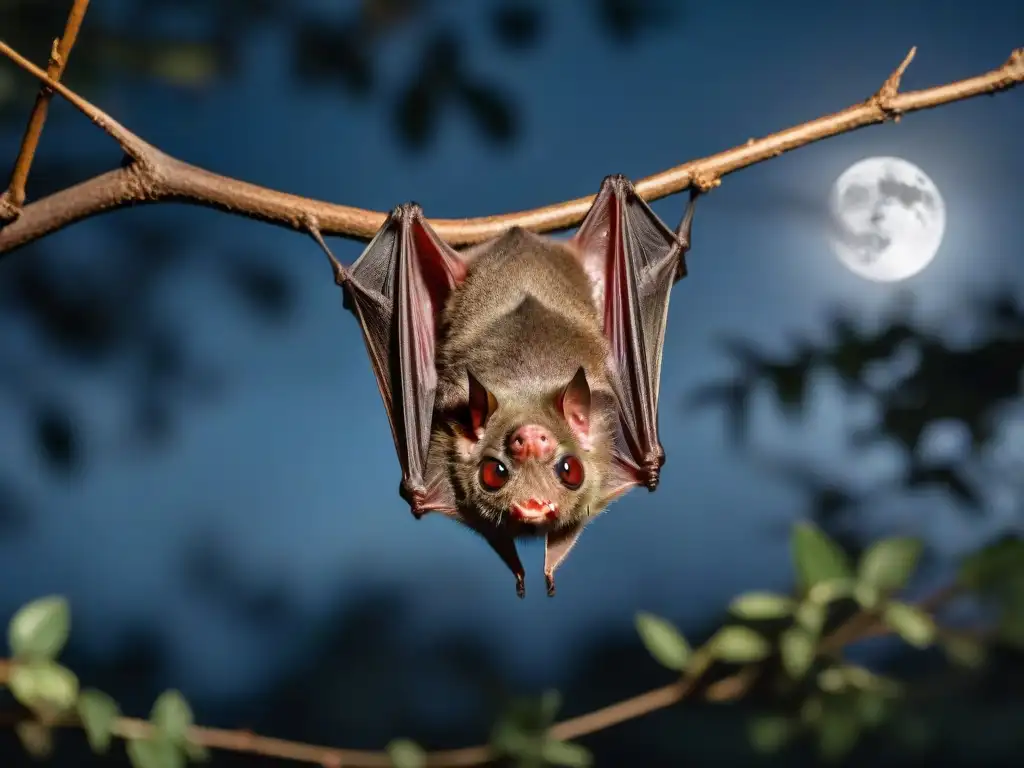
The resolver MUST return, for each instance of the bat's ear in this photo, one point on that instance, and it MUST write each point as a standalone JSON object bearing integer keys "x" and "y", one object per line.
{"x": 574, "y": 403}
{"x": 482, "y": 404}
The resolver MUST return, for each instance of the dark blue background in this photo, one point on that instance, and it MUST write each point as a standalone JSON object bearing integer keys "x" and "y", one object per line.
{"x": 283, "y": 487}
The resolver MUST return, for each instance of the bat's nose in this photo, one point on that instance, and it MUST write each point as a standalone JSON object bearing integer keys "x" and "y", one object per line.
{"x": 531, "y": 441}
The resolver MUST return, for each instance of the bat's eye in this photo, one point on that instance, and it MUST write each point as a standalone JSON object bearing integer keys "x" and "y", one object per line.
{"x": 570, "y": 471}
{"x": 493, "y": 475}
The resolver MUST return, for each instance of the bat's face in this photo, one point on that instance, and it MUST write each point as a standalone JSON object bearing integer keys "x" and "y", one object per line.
{"x": 538, "y": 462}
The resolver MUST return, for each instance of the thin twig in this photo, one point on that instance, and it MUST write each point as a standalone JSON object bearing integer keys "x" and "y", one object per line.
{"x": 731, "y": 688}
{"x": 12, "y": 200}
{"x": 156, "y": 177}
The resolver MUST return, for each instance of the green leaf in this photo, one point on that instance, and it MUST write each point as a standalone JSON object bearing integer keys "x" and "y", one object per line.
{"x": 406, "y": 754}
{"x": 509, "y": 738}
{"x": 172, "y": 716}
{"x": 770, "y": 733}
{"x": 816, "y": 557}
{"x": 911, "y": 623}
{"x": 558, "y": 752}
{"x": 1011, "y": 626}
{"x": 36, "y": 738}
{"x": 810, "y": 616}
{"x": 196, "y": 752}
{"x": 663, "y": 641}
{"x": 992, "y": 565}
{"x": 44, "y": 686}
{"x": 98, "y": 713}
{"x": 798, "y": 650}
{"x": 550, "y": 703}
{"x": 832, "y": 680}
{"x": 965, "y": 651}
{"x": 521, "y": 730}
{"x": 866, "y": 596}
{"x": 830, "y": 590}
{"x": 888, "y": 564}
{"x": 740, "y": 645}
{"x": 39, "y": 630}
{"x": 872, "y": 708}
{"x": 837, "y": 734}
{"x": 812, "y": 710}
{"x": 154, "y": 753}
{"x": 866, "y": 680}
{"x": 762, "y": 605}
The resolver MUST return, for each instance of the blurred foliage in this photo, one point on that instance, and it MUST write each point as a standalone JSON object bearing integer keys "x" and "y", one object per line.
{"x": 787, "y": 646}
{"x": 916, "y": 381}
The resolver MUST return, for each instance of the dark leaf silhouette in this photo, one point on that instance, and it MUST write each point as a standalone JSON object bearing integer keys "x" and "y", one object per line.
{"x": 516, "y": 24}
{"x": 56, "y": 438}
{"x": 334, "y": 54}
{"x": 416, "y": 113}
{"x": 209, "y": 574}
{"x": 263, "y": 287}
{"x": 965, "y": 384}
{"x": 418, "y": 106}
{"x": 491, "y": 111}
{"x": 790, "y": 383}
{"x": 76, "y": 320}
{"x": 626, "y": 20}
{"x": 948, "y": 478}
{"x": 733, "y": 396}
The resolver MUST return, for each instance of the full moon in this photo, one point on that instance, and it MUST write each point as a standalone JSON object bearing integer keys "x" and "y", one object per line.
{"x": 888, "y": 219}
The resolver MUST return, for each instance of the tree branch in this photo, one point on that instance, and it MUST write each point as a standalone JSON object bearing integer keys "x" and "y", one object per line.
{"x": 12, "y": 200}
{"x": 153, "y": 176}
{"x": 860, "y": 627}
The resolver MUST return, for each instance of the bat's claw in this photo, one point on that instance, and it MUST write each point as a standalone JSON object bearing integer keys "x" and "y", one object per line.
{"x": 549, "y": 579}
{"x": 415, "y": 497}
{"x": 650, "y": 473}
{"x": 520, "y": 586}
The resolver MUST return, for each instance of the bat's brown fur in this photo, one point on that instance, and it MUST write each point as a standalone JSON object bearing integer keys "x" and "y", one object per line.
{"x": 523, "y": 323}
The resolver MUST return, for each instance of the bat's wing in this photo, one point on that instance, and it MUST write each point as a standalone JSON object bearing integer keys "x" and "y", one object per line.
{"x": 397, "y": 289}
{"x": 633, "y": 260}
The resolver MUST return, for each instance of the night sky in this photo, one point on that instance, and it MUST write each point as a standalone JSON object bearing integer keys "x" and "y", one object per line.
{"x": 292, "y": 471}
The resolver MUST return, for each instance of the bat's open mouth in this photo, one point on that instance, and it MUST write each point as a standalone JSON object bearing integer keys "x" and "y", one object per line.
{"x": 534, "y": 510}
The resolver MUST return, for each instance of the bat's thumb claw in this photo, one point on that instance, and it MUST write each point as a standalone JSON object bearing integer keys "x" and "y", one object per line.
{"x": 520, "y": 586}
{"x": 415, "y": 497}
{"x": 650, "y": 476}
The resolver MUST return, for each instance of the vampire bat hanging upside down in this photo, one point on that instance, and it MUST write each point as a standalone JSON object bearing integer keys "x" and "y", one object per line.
{"x": 521, "y": 375}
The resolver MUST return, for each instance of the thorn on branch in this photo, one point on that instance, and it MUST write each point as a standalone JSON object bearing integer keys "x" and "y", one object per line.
{"x": 56, "y": 59}
{"x": 890, "y": 89}
{"x": 704, "y": 181}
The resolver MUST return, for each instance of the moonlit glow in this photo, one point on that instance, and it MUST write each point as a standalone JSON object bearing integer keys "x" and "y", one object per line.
{"x": 888, "y": 219}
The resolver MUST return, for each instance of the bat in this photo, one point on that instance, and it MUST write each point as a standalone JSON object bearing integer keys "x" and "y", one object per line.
{"x": 521, "y": 376}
